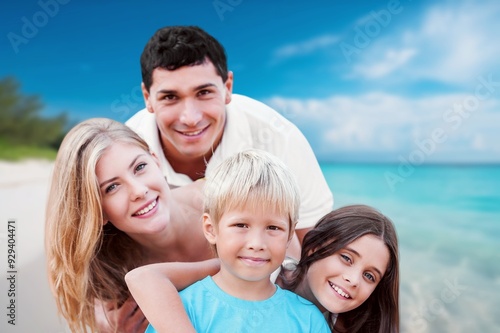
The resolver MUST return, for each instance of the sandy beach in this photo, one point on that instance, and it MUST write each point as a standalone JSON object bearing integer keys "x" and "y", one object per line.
{"x": 23, "y": 194}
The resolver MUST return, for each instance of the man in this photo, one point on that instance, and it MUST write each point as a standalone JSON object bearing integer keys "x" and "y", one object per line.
{"x": 192, "y": 121}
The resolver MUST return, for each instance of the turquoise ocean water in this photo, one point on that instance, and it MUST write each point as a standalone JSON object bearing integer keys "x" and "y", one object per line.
{"x": 448, "y": 223}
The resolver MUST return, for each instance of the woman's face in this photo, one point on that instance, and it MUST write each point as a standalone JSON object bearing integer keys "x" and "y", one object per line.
{"x": 344, "y": 280}
{"x": 135, "y": 195}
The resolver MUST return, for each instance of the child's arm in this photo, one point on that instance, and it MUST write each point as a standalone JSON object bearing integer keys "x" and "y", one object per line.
{"x": 154, "y": 288}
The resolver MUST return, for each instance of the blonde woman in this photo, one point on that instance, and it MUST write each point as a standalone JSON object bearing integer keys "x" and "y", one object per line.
{"x": 111, "y": 210}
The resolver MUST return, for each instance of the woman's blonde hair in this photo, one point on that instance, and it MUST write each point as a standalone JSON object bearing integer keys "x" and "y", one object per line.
{"x": 252, "y": 177}
{"x": 87, "y": 260}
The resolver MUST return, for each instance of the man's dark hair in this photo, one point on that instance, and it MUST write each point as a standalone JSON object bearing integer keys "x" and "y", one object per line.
{"x": 177, "y": 46}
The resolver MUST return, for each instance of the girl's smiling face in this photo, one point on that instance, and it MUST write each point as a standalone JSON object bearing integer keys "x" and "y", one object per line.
{"x": 135, "y": 196}
{"x": 344, "y": 280}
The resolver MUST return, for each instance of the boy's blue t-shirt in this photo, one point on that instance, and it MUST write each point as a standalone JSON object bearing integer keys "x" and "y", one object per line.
{"x": 212, "y": 310}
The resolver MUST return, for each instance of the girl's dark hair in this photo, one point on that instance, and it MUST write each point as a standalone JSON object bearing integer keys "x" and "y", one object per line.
{"x": 177, "y": 46}
{"x": 380, "y": 312}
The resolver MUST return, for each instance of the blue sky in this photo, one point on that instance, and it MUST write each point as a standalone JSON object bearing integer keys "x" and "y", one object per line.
{"x": 378, "y": 81}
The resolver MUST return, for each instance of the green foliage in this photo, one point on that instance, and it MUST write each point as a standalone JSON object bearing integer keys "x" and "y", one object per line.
{"x": 20, "y": 122}
{"x": 11, "y": 152}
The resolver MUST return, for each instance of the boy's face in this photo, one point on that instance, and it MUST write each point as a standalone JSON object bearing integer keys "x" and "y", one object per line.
{"x": 251, "y": 244}
{"x": 190, "y": 108}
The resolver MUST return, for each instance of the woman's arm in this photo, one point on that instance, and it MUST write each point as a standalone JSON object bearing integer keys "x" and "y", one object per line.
{"x": 154, "y": 288}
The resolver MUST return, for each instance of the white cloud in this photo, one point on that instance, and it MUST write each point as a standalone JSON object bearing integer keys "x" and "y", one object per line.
{"x": 392, "y": 60}
{"x": 391, "y": 125}
{"x": 453, "y": 43}
{"x": 305, "y": 47}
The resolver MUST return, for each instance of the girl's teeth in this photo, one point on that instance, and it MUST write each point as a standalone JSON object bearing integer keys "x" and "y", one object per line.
{"x": 147, "y": 209}
{"x": 339, "y": 291}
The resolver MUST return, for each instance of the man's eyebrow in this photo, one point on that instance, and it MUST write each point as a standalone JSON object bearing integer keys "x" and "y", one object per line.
{"x": 173, "y": 91}
{"x": 165, "y": 92}
{"x": 203, "y": 86}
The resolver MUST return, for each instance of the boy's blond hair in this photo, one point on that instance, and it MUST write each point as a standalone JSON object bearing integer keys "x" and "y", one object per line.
{"x": 256, "y": 178}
